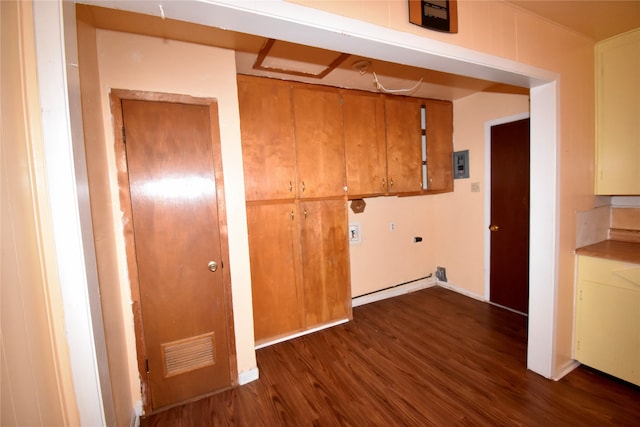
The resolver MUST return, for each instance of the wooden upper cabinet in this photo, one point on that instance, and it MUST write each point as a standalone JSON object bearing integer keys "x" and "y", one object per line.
{"x": 308, "y": 142}
{"x": 319, "y": 142}
{"x": 439, "y": 145}
{"x": 404, "y": 145}
{"x": 365, "y": 146}
{"x": 268, "y": 148}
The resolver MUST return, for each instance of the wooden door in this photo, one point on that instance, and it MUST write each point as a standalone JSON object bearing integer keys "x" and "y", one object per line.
{"x": 439, "y": 121}
{"x": 176, "y": 218}
{"x": 276, "y": 284}
{"x": 509, "y": 253}
{"x": 319, "y": 143}
{"x": 404, "y": 145}
{"x": 325, "y": 255}
{"x": 268, "y": 149}
{"x": 365, "y": 146}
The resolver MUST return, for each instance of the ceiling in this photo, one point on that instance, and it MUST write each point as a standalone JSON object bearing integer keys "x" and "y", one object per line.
{"x": 594, "y": 18}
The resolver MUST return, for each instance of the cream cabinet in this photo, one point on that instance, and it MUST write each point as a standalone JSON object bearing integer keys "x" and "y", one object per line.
{"x": 607, "y": 335}
{"x": 618, "y": 115}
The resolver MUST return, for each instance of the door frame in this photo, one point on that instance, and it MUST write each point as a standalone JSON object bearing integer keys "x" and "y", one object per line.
{"x": 61, "y": 125}
{"x": 116, "y": 96}
{"x": 487, "y": 194}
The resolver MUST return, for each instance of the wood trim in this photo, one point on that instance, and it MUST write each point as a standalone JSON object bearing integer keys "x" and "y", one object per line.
{"x": 264, "y": 52}
{"x": 116, "y": 97}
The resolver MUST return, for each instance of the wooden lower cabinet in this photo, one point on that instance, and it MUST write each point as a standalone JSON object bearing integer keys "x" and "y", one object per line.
{"x": 299, "y": 266}
{"x": 608, "y": 317}
{"x": 325, "y": 261}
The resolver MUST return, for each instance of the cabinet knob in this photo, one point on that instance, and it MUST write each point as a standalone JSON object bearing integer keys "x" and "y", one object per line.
{"x": 213, "y": 266}
{"x": 494, "y": 227}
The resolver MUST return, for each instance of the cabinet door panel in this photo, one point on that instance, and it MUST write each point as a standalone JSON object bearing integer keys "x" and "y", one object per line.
{"x": 266, "y": 128}
{"x": 608, "y": 337}
{"x": 439, "y": 118}
{"x": 608, "y": 317}
{"x": 404, "y": 145}
{"x": 319, "y": 143}
{"x": 365, "y": 146}
{"x": 278, "y": 301}
{"x": 617, "y": 117}
{"x": 325, "y": 261}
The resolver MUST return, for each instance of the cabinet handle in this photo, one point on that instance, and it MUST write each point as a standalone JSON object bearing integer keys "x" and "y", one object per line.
{"x": 290, "y": 186}
{"x": 391, "y": 183}
{"x": 291, "y": 215}
{"x": 305, "y": 214}
{"x": 384, "y": 183}
{"x": 303, "y": 187}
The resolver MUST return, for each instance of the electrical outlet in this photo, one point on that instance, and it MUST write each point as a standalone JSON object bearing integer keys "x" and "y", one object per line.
{"x": 355, "y": 237}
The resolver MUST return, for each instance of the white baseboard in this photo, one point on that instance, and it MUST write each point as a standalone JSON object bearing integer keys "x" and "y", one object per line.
{"x": 248, "y": 376}
{"x": 565, "y": 369}
{"x": 136, "y": 412}
{"x": 393, "y": 292}
{"x": 299, "y": 334}
{"x": 459, "y": 290}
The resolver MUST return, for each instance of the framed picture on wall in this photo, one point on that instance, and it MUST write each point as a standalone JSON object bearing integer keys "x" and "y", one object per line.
{"x": 439, "y": 15}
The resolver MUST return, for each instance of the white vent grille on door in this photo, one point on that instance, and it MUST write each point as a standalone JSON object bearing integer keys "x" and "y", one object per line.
{"x": 188, "y": 354}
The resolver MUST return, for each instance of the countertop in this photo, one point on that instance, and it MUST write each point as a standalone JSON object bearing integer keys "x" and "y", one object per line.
{"x": 614, "y": 250}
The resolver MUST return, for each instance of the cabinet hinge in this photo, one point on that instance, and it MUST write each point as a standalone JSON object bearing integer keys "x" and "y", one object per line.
{"x": 147, "y": 365}
{"x": 124, "y": 136}
{"x": 580, "y": 295}
{"x": 578, "y": 345}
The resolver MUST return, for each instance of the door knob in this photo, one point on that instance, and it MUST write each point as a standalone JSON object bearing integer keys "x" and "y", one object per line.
{"x": 493, "y": 227}
{"x": 213, "y": 266}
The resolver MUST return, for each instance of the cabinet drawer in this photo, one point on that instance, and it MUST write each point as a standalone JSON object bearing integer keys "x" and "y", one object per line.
{"x": 612, "y": 273}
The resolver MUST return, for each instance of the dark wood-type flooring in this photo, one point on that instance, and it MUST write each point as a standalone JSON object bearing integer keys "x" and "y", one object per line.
{"x": 430, "y": 358}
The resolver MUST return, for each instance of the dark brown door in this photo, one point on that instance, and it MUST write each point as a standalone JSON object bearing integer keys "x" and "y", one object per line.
{"x": 176, "y": 233}
{"x": 509, "y": 257}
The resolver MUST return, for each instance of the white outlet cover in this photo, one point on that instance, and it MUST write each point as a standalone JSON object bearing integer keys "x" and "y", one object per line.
{"x": 355, "y": 233}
